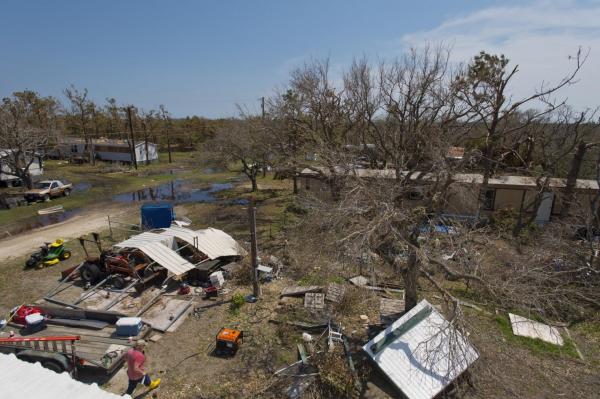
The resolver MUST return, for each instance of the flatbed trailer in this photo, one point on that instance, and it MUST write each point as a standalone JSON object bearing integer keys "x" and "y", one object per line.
{"x": 100, "y": 349}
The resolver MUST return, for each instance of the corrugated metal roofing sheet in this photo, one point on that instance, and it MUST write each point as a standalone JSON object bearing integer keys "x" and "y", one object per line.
{"x": 167, "y": 258}
{"x": 159, "y": 248}
{"x": 19, "y": 379}
{"x": 421, "y": 352}
{"x": 212, "y": 242}
{"x": 146, "y": 238}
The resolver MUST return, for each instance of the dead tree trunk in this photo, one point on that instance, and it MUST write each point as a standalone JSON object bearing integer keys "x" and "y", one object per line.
{"x": 569, "y": 193}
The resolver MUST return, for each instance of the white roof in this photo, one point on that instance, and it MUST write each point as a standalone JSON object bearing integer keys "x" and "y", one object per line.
{"x": 20, "y": 379}
{"x": 421, "y": 352}
{"x": 212, "y": 242}
{"x": 159, "y": 249}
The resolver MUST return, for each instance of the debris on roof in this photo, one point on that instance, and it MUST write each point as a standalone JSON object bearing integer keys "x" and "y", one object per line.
{"x": 421, "y": 353}
{"x": 20, "y": 379}
{"x": 314, "y": 300}
{"x": 525, "y": 327}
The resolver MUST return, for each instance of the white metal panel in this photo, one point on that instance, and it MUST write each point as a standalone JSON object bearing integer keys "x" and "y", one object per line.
{"x": 167, "y": 258}
{"x": 160, "y": 249}
{"x": 534, "y": 329}
{"x": 145, "y": 238}
{"x": 426, "y": 358}
{"x": 212, "y": 242}
{"x": 19, "y": 379}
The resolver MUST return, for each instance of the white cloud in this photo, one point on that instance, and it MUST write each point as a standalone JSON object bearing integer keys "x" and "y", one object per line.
{"x": 539, "y": 36}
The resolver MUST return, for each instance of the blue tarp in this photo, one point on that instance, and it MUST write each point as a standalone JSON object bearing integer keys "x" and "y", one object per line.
{"x": 156, "y": 216}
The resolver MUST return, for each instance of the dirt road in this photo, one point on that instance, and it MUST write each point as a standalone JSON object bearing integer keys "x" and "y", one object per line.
{"x": 93, "y": 219}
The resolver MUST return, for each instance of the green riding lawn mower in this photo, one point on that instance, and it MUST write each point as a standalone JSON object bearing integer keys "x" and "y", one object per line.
{"x": 48, "y": 255}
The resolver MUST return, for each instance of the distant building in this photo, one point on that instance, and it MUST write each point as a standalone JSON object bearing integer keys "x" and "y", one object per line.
{"x": 106, "y": 150}
{"x": 503, "y": 192}
{"x": 35, "y": 169}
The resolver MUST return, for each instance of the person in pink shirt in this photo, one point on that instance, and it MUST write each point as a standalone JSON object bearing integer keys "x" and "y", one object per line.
{"x": 135, "y": 368}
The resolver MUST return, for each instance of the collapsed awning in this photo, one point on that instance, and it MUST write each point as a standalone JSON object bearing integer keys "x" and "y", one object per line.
{"x": 160, "y": 250}
{"x": 212, "y": 242}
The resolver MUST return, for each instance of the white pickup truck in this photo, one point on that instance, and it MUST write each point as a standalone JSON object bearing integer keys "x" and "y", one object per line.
{"x": 46, "y": 189}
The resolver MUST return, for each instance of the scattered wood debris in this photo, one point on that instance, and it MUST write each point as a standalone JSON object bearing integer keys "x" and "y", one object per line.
{"x": 314, "y": 300}
{"x": 390, "y": 310}
{"x": 335, "y": 292}
{"x": 299, "y": 290}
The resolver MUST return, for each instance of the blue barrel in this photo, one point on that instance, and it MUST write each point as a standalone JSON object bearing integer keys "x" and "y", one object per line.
{"x": 156, "y": 216}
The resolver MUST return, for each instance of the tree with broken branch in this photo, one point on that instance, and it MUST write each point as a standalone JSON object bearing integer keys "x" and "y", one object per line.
{"x": 484, "y": 89}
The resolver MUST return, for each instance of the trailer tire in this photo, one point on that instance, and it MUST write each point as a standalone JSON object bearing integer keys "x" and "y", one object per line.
{"x": 52, "y": 361}
{"x": 90, "y": 273}
{"x": 54, "y": 366}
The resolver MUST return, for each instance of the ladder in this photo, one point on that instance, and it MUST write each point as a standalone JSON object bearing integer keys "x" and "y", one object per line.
{"x": 57, "y": 344}
{"x": 335, "y": 335}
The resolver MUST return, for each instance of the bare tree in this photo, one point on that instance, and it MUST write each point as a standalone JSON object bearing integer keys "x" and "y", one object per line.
{"x": 243, "y": 142}
{"x": 26, "y": 123}
{"x": 80, "y": 109}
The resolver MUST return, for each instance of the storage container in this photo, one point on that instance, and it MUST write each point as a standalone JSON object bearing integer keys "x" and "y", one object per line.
{"x": 217, "y": 279}
{"x": 35, "y": 322}
{"x": 155, "y": 216}
{"x": 129, "y": 326}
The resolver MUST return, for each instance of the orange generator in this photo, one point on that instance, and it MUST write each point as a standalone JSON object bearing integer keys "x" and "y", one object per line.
{"x": 228, "y": 341}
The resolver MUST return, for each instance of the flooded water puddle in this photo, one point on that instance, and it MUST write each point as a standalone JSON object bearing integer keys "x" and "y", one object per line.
{"x": 40, "y": 221}
{"x": 81, "y": 187}
{"x": 177, "y": 191}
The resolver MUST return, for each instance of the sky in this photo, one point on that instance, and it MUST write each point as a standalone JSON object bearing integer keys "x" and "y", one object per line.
{"x": 204, "y": 57}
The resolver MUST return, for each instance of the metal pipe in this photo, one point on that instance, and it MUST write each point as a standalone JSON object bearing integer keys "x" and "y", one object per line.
{"x": 91, "y": 291}
{"x": 56, "y": 301}
{"x": 153, "y": 300}
{"x": 53, "y": 291}
{"x": 118, "y": 298}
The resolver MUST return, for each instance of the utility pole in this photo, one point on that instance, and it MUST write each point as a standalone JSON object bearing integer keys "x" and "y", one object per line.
{"x": 262, "y": 106}
{"x": 133, "y": 157}
{"x": 146, "y": 141}
{"x": 253, "y": 248}
{"x": 168, "y": 140}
